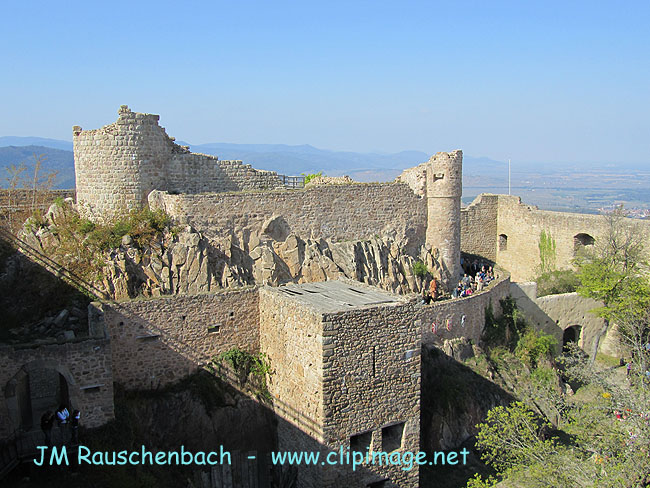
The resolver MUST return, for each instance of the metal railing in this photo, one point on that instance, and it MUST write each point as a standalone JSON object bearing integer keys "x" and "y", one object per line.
{"x": 292, "y": 181}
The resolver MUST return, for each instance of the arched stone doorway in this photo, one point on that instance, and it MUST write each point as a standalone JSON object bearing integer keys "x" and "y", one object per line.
{"x": 582, "y": 241}
{"x": 37, "y": 387}
{"x": 571, "y": 334}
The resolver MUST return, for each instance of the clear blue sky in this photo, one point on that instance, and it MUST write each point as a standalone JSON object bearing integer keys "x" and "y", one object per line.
{"x": 533, "y": 81}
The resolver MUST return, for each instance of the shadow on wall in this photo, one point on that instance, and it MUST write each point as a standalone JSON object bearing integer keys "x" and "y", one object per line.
{"x": 35, "y": 302}
{"x": 525, "y": 295}
{"x": 454, "y": 401}
{"x": 48, "y": 357}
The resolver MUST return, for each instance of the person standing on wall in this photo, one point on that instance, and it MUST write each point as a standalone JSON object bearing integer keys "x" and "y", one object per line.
{"x": 433, "y": 289}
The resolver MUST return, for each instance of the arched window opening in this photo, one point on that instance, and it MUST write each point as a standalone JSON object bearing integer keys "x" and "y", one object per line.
{"x": 581, "y": 241}
{"x": 503, "y": 242}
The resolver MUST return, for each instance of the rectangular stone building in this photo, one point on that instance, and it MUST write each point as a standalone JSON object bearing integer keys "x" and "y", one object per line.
{"x": 346, "y": 361}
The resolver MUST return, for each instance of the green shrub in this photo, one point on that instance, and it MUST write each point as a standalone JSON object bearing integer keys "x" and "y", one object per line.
{"x": 36, "y": 221}
{"x": 558, "y": 281}
{"x": 311, "y": 176}
{"x": 244, "y": 363}
{"x": 547, "y": 254}
{"x": 533, "y": 346}
{"x": 420, "y": 269}
{"x": 507, "y": 328}
{"x": 85, "y": 226}
{"x": 142, "y": 225}
{"x": 257, "y": 364}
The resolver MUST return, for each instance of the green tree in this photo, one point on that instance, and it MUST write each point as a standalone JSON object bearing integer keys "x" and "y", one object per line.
{"x": 614, "y": 272}
{"x": 587, "y": 446}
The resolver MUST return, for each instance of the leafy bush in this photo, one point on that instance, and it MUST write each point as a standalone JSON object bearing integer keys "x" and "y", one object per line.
{"x": 558, "y": 281}
{"x": 533, "y": 346}
{"x": 311, "y": 176}
{"x": 244, "y": 363}
{"x": 142, "y": 225}
{"x": 547, "y": 254}
{"x": 420, "y": 269}
{"x": 258, "y": 364}
{"x": 36, "y": 221}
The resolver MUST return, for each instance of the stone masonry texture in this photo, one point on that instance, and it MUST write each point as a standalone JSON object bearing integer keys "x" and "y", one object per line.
{"x": 337, "y": 212}
{"x": 491, "y": 216}
{"x": 444, "y": 189}
{"x": 160, "y": 340}
{"x": 118, "y": 165}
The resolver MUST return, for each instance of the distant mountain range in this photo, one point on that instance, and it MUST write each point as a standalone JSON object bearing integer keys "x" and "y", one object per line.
{"x": 53, "y": 159}
{"x": 285, "y": 159}
{"x": 35, "y": 141}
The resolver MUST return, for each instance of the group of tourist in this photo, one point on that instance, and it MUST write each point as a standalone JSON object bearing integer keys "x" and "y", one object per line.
{"x": 64, "y": 421}
{"x": 473, "y": 283}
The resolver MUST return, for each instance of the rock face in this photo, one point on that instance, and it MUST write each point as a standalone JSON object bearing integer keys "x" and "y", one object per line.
{"x": 188, "y": 262}
{"x": 191, "y": 263}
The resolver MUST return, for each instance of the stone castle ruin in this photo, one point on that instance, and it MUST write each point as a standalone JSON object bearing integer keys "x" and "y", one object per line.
{"x": 276, "y": 270}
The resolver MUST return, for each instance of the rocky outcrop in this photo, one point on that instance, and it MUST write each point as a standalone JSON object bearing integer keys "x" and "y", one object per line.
{"x": 191, "y": 263}
{"x": 188, "y": 262}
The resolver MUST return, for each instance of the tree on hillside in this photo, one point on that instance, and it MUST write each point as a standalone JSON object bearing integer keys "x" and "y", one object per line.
{"x": 634, "y": 336}
{"x": 26, "y": 194}
{"x": 615, "y": 273}
{"x": 601, "y": 437}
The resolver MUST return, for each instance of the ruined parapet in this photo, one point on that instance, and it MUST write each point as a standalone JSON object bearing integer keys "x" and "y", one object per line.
{"x": 444, "y": 189}
{"x": 118, "y": 165}
{"x": 415, "y": 178}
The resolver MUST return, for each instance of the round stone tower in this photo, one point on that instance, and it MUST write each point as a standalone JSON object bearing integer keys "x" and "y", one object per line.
{"x": 444, "y": 189}
{"x": 118, "y": 165}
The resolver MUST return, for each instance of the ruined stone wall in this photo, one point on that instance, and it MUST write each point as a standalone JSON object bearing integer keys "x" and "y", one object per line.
{"x": 197, "y": 173}
{"x": 478, "y": 227}
{"x": 291, "y": 335}
{"x": 415, "y": 178}
{"x": 85, "y": 365}
{"x": 523, "y": 224}
{"x": 510, "y": 233}
{"x": 569, "y": 309}
{"x": 118, "y": 165}
{"x": 553, "y": 314}
{"x": 158, "y": 341}
{"x": 339, "y": 212}
{"x": 20, "y": 199}
{"x": 444, "y": 189}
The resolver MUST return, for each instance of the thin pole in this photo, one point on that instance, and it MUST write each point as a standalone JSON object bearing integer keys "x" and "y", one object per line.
{"x": 508, "y": 176}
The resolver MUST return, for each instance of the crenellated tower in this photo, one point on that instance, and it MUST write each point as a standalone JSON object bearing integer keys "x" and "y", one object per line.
{"x": 444, "y": 187}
